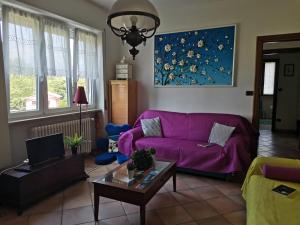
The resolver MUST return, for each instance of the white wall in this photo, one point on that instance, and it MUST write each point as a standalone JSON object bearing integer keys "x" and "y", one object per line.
{"x": 254, "y": 18}
{"x": 78, "y": 10}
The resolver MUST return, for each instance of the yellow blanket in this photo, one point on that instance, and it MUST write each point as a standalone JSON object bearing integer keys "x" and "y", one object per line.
{"x": 264, "y": 206}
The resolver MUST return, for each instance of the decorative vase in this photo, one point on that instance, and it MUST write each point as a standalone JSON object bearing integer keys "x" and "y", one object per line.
{"x": 74, "y": 150}
{"x": 130, "y": 174}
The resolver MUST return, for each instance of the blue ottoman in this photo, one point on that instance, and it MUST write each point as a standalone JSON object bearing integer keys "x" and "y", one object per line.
{"x": 105, "y": 158}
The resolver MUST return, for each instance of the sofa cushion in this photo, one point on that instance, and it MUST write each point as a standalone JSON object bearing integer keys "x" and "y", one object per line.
{"x": 281, "y": 173}
{"x": 166, "y": 148}
{"x": 220, "y": 134}
{"x": 151, "y": 127}
{"x": 188, "y": 154}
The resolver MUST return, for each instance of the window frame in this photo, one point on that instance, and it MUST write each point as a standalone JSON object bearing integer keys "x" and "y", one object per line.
{"x": 42, "y": 88}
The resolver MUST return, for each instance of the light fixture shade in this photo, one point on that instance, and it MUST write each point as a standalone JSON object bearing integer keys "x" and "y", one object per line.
{"x": 80, "y": 97}
{"x": 134, "y": 21}
{"x": 122, "y": 11}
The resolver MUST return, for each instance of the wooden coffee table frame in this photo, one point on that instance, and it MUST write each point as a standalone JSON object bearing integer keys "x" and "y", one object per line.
{"x": 132, "y": 195}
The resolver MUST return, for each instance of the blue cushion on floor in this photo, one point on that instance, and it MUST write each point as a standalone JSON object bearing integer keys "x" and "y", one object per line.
{"x": 114, "y": 137}
{"x": 121, "y": 158}
{"x": 102, "y": 144}
{"x": 114, "y": 129}
{"x": 105, "y": 158}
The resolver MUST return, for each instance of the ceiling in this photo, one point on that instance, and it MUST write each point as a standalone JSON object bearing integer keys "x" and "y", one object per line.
{"x": 105, "y": 4}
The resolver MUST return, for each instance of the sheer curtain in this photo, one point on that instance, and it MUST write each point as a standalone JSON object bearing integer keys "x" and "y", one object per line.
{"x": 22, "y": 37}
{"x": 85, "y": 65}
{"x": 57, "y": 44}
{"x": 85, "y": 55}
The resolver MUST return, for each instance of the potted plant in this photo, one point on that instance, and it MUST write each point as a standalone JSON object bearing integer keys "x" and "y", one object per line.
{"x": 143, "y": 159}
{"x": 73, "y": 142}
{"x": 130, "y": 169}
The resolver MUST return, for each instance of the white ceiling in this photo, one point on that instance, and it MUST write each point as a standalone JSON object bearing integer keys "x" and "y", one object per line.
{"x": 105, "y": 4}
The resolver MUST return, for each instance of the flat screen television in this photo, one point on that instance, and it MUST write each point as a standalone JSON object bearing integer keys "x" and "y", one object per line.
{"x": 45, "y": 148}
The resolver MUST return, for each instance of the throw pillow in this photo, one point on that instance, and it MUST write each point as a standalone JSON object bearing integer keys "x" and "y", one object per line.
{"x": 151, "y": 127}
{"x": 220, "y": 134}
{"x": 281, "y": 173}
{"x": 113, "y": 146}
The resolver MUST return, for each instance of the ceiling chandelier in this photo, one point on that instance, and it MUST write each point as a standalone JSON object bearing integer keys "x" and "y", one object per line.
{"x": 133, "y": 21}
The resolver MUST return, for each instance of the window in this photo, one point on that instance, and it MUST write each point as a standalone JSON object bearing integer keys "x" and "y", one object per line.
{"x": 21, "y": 59}
{"x": 45, "y": 60}
{"x": 269, "y": 78}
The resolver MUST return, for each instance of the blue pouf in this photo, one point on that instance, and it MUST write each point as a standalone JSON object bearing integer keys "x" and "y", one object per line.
{"x": 102, "y": 144}
{"x": 113, "y": 129}
{"x": 121, "y": 158}
{"x": 105, "y": 158}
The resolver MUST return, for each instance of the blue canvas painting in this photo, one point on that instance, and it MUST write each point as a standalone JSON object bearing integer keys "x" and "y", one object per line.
{"x": 201, "y": 57}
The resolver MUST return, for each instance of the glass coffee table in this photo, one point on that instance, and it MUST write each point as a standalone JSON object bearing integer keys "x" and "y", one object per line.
{"x": 138, "y": 191}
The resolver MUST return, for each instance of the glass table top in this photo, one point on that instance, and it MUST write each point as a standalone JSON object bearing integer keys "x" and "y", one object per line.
{"x": 141, "y": 180}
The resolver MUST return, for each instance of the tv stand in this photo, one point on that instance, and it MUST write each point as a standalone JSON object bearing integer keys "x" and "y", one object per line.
{"x": 20, "y": 189}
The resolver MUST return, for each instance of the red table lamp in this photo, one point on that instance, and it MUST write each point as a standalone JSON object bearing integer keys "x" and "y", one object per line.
{"x": 80, "y": 98}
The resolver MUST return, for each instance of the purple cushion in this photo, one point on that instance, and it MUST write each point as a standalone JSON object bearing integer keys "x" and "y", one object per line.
{"x": 281, "y": 173}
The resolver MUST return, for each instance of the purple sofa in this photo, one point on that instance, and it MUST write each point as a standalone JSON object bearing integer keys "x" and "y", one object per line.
{"x": 183, "y": 131}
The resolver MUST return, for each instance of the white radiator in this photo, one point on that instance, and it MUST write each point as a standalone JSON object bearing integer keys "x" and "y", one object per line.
{"x": 68, "y": 128}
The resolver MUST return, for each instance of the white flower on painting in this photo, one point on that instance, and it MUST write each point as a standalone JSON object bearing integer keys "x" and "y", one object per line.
{"x": 206, "y": 49}
{"x": 196, "y": 32}
{"x": 167, "y": 66}
{"x": 206, "y": 61}
{"x": 171, "y": 76}
{"x": 220, "y": 47}
{"x": 156, "y": 51}
{"x": 200, "y": 43}
{"x": 171, "y": 67}
{"x": 174, "y": 53}
{"x": 203, "y": 72}
{"x": 221, "y": 69}
{"x": 158, "y": 60}
{"x": 182, "y": 41}
{"x": 174, "y": 61}
{"x": 193, "y": 68}
{"x": 209, "y": 78}
{"x": 168, "y": 47}
{"x": 198, "y": 56}
{"x": 160, "y": 39}
{"x": 190, "y": 54}
{"x": 216, "y": 60}
{"x": 181, "y": 62}
{"x": 226, "y": 36}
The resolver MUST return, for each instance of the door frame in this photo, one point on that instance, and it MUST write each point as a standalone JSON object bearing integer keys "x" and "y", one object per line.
{"x": 259, "y": 69}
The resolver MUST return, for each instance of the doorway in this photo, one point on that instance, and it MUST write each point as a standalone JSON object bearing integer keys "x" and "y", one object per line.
{"x": 279, "y": 40}
{"x": 276, "y": 106}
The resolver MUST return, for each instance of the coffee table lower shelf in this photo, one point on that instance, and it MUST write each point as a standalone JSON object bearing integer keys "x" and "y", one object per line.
{"x": 133, "y": 196}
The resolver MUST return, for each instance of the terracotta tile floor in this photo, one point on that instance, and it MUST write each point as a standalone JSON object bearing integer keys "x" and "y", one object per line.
{"x": 278, "y": 144}
{"x": 198, "y": 201}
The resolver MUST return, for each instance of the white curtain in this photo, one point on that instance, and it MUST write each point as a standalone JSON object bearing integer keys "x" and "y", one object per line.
{"x": 57, "y": 44}
{"x": 22, "y": 37}
{"x": 85, "y": 55}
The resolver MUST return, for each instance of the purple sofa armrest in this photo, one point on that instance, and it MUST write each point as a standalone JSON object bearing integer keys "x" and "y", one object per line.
{"x": 239, "y": 146}
{"x": 236, "y": 140}
{"x": 126, "y": 142}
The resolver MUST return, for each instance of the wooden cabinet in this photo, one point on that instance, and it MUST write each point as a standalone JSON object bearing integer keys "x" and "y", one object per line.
{"x": 123, "y": 101}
